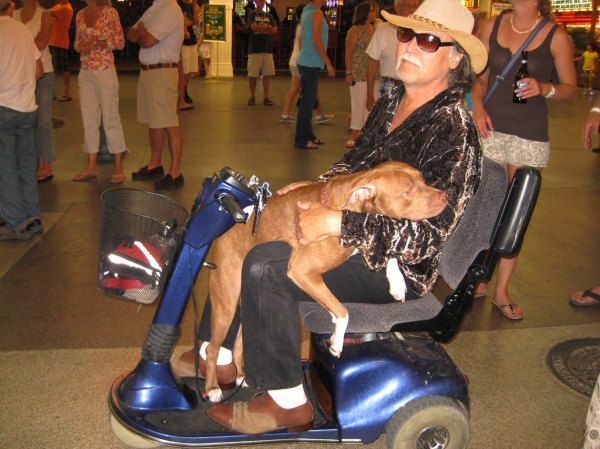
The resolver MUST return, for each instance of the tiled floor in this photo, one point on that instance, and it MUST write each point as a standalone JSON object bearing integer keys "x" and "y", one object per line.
{"x": 62, "y": 342}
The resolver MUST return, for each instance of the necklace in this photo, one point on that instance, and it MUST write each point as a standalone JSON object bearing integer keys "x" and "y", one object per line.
{"x": 523, "y": 32}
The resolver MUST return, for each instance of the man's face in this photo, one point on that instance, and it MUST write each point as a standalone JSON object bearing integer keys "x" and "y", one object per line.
{"x": 416, "y": 67}
{"x": 260, "y": 4}
{"x": 406, "y": 7}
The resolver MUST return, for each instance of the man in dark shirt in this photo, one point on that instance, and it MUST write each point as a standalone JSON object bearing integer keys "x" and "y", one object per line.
{"x": 421, "y": 122}
{"x": 260, "y": 51}
{"x": 189, "y": 52}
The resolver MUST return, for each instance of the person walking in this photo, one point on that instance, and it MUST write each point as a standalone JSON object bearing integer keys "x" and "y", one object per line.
{"x": 98, "y": 33}
{"x": 357, "y": 61}
{"x": 62, "y": 13}
{"x": 159, "y": 32}
{"x": 39, "y": 22}
{"x": 295, "y": 78}
{"x": 312, "y": 58}
{"x": 516, "y": 134}
{"x": 22, "y": 67}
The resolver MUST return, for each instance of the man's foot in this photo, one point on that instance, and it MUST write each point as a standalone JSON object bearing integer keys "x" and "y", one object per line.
{"x": 586, "y": 298}
{"x": 168, "y": 182}
{"x": 267, "y": 102}
{"x": 324, "y": 118}
{"x": 146, "y": 172}
{"x": 261, "y": 415}
{"x": 252, "y": 102}
{"x": 187, "y": 98}
{"x": 35, "y": 225}
{"x": 183, "y": 367}
{"x": 186, "y": 107}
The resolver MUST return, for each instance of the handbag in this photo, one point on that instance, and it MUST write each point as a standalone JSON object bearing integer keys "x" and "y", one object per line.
{"x": 514, "y": 58}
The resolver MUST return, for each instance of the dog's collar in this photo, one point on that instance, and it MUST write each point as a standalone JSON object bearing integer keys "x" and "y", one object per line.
{"x": 324, "y": 195}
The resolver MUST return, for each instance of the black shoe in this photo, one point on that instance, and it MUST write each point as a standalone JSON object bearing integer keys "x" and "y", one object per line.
{"x": 35, "y": 226}
{"x": 146, "y": 172}
{"x": 187, "y": 98}
{"x": 168, "y": 182}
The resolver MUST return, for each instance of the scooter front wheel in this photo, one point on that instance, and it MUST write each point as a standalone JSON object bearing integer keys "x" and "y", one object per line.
{"x": 429, "y": 422}
{"x": 128, "y": 437}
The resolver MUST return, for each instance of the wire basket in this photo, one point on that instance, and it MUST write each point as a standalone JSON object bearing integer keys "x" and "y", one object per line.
{"x": 140, "y": 234}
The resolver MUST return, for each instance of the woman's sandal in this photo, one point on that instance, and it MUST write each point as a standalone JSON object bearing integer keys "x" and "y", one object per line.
{"x": 117, "y": 179}
{"x": 308, "y": 146}
{"x": 510, "y": 306}
{"x": 83, "y": 176}
{"x": 590, "y": 294}
{"x": 318, "y": 141}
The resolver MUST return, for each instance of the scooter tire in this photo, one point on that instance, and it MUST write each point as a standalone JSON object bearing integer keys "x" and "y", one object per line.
{"x": 128, "y": 437}
{"x": 429, "y": 421}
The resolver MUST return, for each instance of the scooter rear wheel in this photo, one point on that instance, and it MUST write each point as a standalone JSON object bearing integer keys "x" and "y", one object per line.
{"x": 429, "y": 422}
{"x": 128, "y": 437}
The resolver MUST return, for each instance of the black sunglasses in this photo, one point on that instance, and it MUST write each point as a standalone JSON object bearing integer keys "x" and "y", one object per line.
{"x": 426, "y": 42}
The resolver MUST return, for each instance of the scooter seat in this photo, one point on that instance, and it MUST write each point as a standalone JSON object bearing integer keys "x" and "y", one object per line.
{"x": 472, "y": 235}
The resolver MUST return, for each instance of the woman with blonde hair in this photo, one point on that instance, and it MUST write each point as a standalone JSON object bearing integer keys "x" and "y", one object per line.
{"x": 98, "y": 33}
{"x": 516, "y": 134}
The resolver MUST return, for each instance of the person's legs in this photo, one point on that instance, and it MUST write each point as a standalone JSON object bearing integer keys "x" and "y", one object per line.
{"x": 44, "y": 129}
{"x": 157, "y": 142}
{"x": 181, "y": 86}
{"x": 108, "y": 93}
{"x": 291, "y": 95}
{"x": 309, "y": 79}
{"x": 26, "y": 165}
{"x": 252, "y": 81}
{"x": 175, "y": 137}
{"x": 266, "y": 85}
{"x": 91, "y": 116}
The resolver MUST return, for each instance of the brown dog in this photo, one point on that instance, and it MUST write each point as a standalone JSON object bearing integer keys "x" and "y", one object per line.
{"x": 394, "y": 189}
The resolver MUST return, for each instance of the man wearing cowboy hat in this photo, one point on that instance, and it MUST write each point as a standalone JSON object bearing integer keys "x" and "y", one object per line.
{"x": 421, "y": 122}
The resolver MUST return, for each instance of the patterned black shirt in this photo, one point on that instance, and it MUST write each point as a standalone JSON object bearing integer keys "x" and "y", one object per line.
{"x": 440, "y": 140}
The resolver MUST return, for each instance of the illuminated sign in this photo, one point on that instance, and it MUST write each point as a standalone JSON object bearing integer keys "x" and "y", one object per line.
{"x": 571, "y": 4}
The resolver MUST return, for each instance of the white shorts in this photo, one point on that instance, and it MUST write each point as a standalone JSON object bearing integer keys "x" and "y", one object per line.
{"x": 204, "y": 50}
{"x": 189, "y": 57}
{"x": 513, "y": 150}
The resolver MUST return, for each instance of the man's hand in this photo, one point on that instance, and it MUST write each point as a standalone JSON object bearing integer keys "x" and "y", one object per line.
{"x": 292, "y": 186}
{"x": 317, "y": 223}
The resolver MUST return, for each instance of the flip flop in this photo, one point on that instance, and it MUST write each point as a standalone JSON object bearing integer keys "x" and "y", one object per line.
{"x": 318, "y": 141}
{"x": 510, "y": 306}
{"x": 64, "y": 98}
{"x": 589, "y": 294}
{"x": 187, "y": 108}
{"x": 83, "y": 177}
{"x": 117, "y": 179}
{"x": 42, "y": 178}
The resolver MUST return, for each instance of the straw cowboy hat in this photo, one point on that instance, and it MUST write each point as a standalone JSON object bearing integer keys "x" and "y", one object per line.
{"x": 450, "y": 17}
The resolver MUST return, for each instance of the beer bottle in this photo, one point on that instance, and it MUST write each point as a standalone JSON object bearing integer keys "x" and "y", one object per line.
{"x": 521, "y": 73}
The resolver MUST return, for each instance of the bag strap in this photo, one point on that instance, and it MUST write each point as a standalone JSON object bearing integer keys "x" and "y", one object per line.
{"x": 514, "y": 59}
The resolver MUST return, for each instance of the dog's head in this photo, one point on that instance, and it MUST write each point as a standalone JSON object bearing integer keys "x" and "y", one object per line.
{"x": 396, "y": 190}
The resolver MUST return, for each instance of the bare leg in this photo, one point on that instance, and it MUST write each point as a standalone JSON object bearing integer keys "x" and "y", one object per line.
{"x": 67, "y": 83}
{"x": 181, "y": 86}
{"x": 266, "y": 84}
{"x": 291, "y": 95}
{"x": 157, "y": 142}
{"x": 92, "y": 166}
{"x": 175, "y": 148}
{"x": 118, "y": 165}
{"x": 206, "y": 62}
{"x": 252, "y": 80}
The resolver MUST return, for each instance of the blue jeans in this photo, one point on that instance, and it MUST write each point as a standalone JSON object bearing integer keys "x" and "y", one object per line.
{"x": 309, "y": 80}
{"x": 19, "y": 197}
{"x": 44, "y": 130}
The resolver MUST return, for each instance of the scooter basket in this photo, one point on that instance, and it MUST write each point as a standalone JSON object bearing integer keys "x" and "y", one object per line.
{"x": 140, "y": 234}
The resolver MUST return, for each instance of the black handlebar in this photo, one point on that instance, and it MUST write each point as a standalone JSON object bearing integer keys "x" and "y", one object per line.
{"x": 233, "y": 208}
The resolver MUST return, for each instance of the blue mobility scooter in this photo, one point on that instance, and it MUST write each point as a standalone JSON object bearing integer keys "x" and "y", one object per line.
{"x": 393, "y": 376}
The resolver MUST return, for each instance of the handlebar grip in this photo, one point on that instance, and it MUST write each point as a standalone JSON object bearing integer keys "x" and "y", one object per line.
{"x": 233, "y": 208}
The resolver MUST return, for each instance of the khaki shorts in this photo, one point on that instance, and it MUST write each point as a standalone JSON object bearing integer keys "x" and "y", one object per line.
{"x": 157, "y": 98}
{"x": 189, "y": 58}
{"x": 508, "y": 149}
{"x": 258, "y": 62}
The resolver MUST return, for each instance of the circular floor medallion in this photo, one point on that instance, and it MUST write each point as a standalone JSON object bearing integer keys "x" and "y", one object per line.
{"x": 576, "y": 363}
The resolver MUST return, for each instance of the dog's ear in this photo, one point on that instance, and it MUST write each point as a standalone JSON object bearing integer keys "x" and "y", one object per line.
{"x": 361, "y": 195}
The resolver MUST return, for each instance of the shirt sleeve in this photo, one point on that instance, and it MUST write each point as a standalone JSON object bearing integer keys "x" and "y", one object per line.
{"x": 170, "y": 19}
{"x": 112, "y": 30}
{"x": 79, "y": 27}
{"x": 375, "y": 47}
{"x": 60, "y": 11}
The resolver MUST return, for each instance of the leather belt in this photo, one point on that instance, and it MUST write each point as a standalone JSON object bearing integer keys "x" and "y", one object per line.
{"x": 160, "y": 65}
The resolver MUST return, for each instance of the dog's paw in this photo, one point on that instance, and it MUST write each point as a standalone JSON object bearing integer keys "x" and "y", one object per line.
{"x": 215, "y": 395}
{"x": 241, "y": 381}
{"x": 336, "y": 341}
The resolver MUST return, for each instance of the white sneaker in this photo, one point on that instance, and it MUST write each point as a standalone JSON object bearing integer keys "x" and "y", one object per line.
{"x": 324, "y": 118}
{"x": 288, "y": 119}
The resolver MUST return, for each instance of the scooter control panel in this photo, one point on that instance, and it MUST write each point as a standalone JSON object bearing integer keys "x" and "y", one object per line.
{"x": 238, "y": 181}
